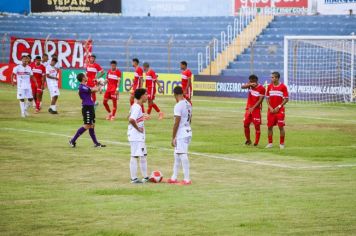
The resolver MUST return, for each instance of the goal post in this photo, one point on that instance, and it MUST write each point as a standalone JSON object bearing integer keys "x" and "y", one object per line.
{"x": 320, "y": 68}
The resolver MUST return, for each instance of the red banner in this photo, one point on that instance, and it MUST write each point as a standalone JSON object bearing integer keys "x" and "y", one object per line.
{"x": 71, "y": 53}
{"x": 288, "y": 5}
{"x": 5, "y": 72}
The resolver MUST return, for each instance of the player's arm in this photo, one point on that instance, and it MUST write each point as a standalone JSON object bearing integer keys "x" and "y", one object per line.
{"x": 140, "y": 80}
{"x": 246, "y": 86}
{"x": 43, "y": 80}
{"x": 52, "y": 77}
{"x": 13, "y": 75}
{"x": 96, "y": 88}
{"x": 285, "y": 100}
{"x": 160, "y": 87}
{"x": 99, "y": 74}
{"x": 34, "y": 80}
{"x": 258, "y": 103}
{"x": 175, "y": 130}
{"x": 134, "y": 124}
{"x": 188, "y": 84}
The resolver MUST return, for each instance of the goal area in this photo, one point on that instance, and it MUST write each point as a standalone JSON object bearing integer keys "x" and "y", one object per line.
{"x": 320, "y": 69}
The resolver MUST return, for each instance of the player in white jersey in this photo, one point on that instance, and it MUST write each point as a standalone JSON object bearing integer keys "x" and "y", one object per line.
{"x": 136, "y": 136}
{"x": 22, "y": 74}
{"x": 52, "y": 85}
{"x": 182, "y": 136}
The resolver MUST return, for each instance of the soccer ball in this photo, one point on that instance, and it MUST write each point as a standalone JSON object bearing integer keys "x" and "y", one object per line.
{"x": 101, "y": 81}
{"x": 156, "y": 176}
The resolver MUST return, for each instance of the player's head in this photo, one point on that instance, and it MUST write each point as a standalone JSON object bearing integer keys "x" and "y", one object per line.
{"x": 82, "y": 78}
{"x": 275, "y": 77}
{"x": 253, "y": 79}
{"x": 38, "y": 60}
{"x": 135, "y": 62}
{"x": 54, "y": 61}
{"x": 45, "y": 57}
{"x": 178, "y": 93}
{"x": 141, "y": 94}
{"x": 29, "y": 58}
{"x": 92, "y": 58}
{"x": 146, "y": 66}
{"x": 183, "y": 65}
{"x": 113, "y": 64}
{"x": 24, "y": 59}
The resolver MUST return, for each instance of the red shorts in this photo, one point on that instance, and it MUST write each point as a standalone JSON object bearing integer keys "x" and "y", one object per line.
{"x": 274, "y": 119}
{"x": 91, "y": 83}
{"x": 254, "y": 117}
{"x": 35, "y": 89}
{"x": 151, "y": 92}
{"x": 188, "y": 95}
{"x": 111, "y": 95}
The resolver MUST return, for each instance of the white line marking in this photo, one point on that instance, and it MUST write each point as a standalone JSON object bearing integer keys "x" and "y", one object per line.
{"x": 220, "y": 157}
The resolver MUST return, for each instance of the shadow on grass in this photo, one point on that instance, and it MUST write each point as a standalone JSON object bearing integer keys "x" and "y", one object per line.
{"x": 125, "y": 192}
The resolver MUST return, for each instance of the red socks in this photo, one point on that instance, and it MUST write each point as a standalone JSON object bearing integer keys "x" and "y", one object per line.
{"x": 247, "y": 132}
{"x": 281, "y": 140}
{"x": 106, "y": 105}
{"x": 114, "y": 104}
{"x": 143, "y": 108}
{"x": 93, "y": 97}
{"x": 270, "y": 139}
{"x": 154, "y": 106}
{"x": 258, "y": 133}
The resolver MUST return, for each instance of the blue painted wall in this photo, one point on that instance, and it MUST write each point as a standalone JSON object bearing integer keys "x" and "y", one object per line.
{"x": 17, "y": 6}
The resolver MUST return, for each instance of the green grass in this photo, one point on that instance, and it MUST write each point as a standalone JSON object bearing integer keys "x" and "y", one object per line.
{"x": 47, "y": 188}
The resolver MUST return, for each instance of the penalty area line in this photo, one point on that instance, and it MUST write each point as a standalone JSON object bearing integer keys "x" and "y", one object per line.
{"x": 212, "y": 156}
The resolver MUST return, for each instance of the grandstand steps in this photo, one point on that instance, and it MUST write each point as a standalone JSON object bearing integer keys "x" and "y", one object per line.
{"x": 238, "y": 45}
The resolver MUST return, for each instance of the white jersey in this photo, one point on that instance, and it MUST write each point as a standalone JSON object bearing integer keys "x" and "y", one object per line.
{"x": 184, "y": 110}
{"x": 47, "y": 63}
{"x": 52, "y": 71}
{"x": 136, "y": 114}
{"x": 23, "y": 76}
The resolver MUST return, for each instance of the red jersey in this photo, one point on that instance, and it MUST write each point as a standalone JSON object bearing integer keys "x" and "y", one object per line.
{"x": 151, "y": 78}
{"x": 137, "y": 78}
{"x": 92, "y": 70}
{"x": 38, "y": 72}
{"x": 276, "y": 94}
{"x": 254, "y": 95}
{"x": 113, "y": 78}
{"x": 186, "y": 74}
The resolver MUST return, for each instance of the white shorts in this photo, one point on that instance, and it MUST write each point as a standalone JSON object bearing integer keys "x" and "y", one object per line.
{"x": 24, "y": 93}
{"x": 138, "y": 149}
{"x": 182, "y": 145}
{"x": 53, "y": 90}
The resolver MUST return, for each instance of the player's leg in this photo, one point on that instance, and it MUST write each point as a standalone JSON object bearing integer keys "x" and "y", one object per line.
{"x": 28, "y": 94}
{"x": 87, "y": 122}
{"x": 247, "y": 122}
{"x": 34, "y": 92}
{"x": 256, "y": 116}
{"x": 143, "y": 163}
{"x": 21, "y": 98}
{"x": 182, "y": 151}
{"x": 271, "y": 121}
{"x": 282, "y": 131}
{"x": 132, "y": 98}
{"x": 92, "y": 130}
{"x": 150, "y": 103}
{"x": 136, "y": 152}
{"x": 38, "y": 100}
{"x": 114, "y": 99}
{"x": 22, "y": 107}
{"x": 53, "y": 108}
{"x": 176, "y": 166}
{"x": 106, "y": 104}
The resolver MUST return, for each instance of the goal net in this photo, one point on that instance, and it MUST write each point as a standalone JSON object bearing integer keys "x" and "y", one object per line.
{"x": 320, "y": 68}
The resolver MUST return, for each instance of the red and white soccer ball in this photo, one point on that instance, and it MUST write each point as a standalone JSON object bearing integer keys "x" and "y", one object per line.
{"x": 156, "y": 176}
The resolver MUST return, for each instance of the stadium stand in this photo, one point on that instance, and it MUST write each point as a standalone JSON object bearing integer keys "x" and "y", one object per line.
{"x": 266, "y": 53}
{"x": 150, "y": 36}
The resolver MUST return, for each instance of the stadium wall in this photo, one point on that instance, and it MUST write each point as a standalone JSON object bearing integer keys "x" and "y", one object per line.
{"x": 336, "y": 7}
{"x": 18, "y": 6}
{"x": 178, "y": 8}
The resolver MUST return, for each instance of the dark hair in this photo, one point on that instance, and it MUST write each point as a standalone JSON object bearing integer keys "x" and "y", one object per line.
{"x": 275, "y": 73}
{"x": 38, "y": 58}
{"x": 178, "y": 90}
{"x": 55, "y": 59}
{"x": 54, "y": 56}
{"x": 80, "y": 77}
{"x": 113, "y": 62}
{"x": 29, "y": 56}
{"x": 23, "y": 56}
{"x": 253, "y": 77}
{"x": 145, "y": 64}
{"x": 136, "y": 60}
{"x": 184, "y": 63}
{"x": 45, "y": 54}
{"x": 139, "y": 93}
{"x": 92, "y": 55}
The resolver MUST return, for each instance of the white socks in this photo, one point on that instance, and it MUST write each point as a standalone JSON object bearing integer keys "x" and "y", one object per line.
{"x": 53, "y": 107}
{"x": 22, "y": 107}
{"x": 133, "y": 168}
{"x": 176, "y": 166}
{"x": 178, "y": 158}
{"x": 143, "y": 166}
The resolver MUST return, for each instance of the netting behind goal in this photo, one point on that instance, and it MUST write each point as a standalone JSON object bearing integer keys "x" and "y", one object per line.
{"x": 320, "y": 69}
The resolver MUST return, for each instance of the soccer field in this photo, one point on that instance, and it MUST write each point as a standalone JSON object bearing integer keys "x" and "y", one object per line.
{"x": 48, "y": 188}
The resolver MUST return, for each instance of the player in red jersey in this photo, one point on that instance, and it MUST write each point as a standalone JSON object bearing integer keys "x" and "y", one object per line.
{"x": 255, "y": 97}
{"x": 186, "y": 81}
{"x": 151, "y": 82}
{"x": 93, "y": 71}
{"x": 277, "y": 97}
{"x": 113, "y": 78}
{"x": 39, "y": 72}
{"x": 137, "y": 81}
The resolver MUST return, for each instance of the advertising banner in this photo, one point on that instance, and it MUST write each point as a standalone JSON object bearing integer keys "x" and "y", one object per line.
{"x": 336, "y": 7}
{"x": 70, "y": 82}
{"x": 5, "y": 72}
{"x": 297, "y": 7}
{"x": 71, "y": 53}
{"x": 84, "y": 6}
{"x": 168, "y": 81}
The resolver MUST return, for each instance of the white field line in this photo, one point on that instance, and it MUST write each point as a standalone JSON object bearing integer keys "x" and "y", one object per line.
{"x": 220, "y": 157}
